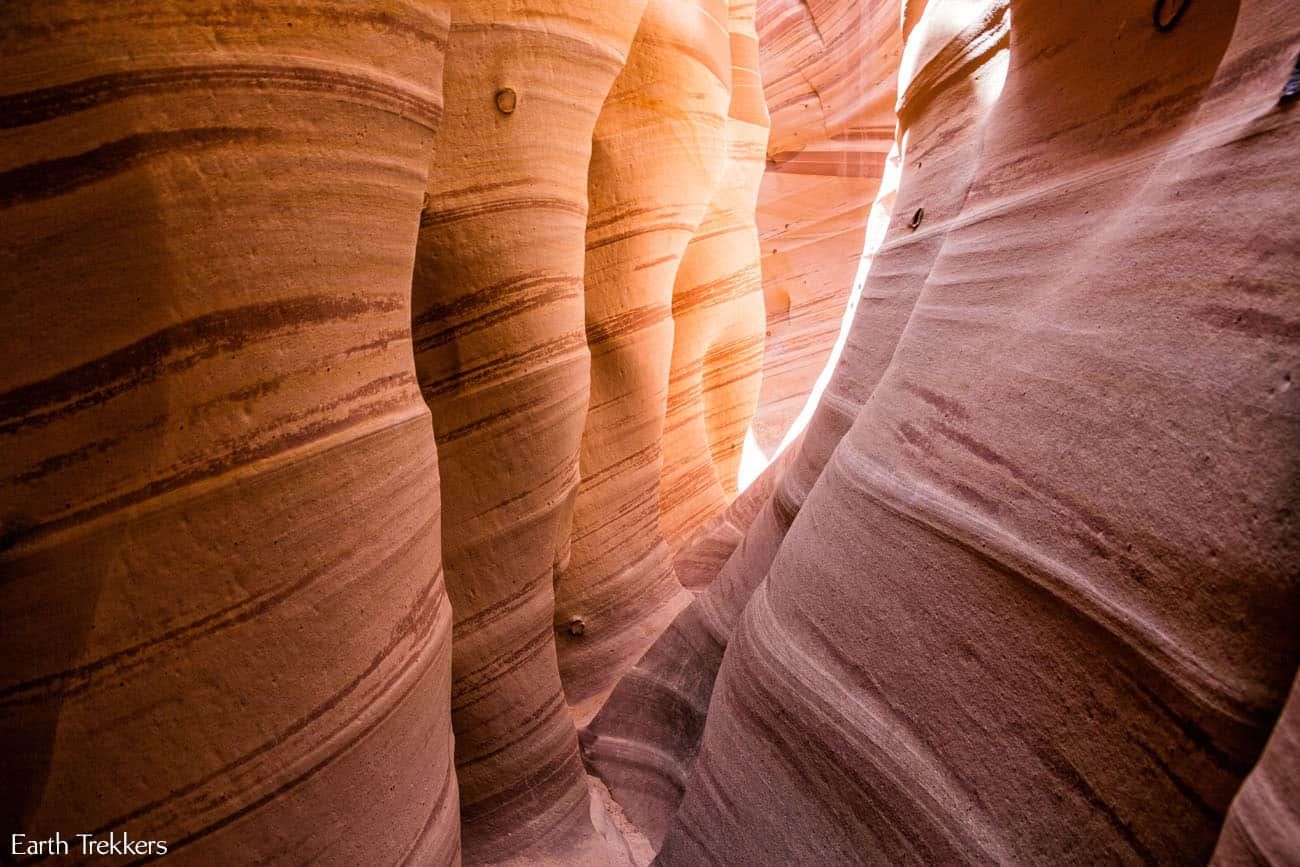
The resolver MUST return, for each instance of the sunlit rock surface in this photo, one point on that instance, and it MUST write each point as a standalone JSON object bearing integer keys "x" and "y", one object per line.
{"x": 830, "y": 78}
{"x": 718, "y": 315}
{"x": 660, "y": 150}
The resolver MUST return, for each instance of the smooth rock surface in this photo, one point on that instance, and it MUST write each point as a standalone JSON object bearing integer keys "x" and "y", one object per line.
{"x": 1039, "y": 605}
{"x": 658, "y": 152}
{"x": 718, "y": 315}
{"x": 830, "y": 78}
{"x": 225, "y": 625}
{"x": 501, "y": 353}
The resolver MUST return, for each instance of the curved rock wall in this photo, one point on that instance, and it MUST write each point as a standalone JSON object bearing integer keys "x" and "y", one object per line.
{"x": 1262, "y": 826}
{"x": 225, "y": 621}
{"x": 1022, "y": 590}
{"x": 718, "y": 315}
{"x": 1080, "y": 598}
{"x": 502, "y": 358}
{"x": 830, "y": 76}
{"x": 657, "y": 154}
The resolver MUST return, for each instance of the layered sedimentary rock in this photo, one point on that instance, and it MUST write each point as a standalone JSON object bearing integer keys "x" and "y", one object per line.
{"x": 1263, "y": 823}
{"x": 1022, "y": 591}
{"x": 646, "y": 756}
{"x": 658, "y": 152}
{"x": 502, "y": 358}
{"x": 1039, "y": 605}
{"x": 224, "y": 618}
{"x": 717, "y": 310}
{"x": 829, "y": 75}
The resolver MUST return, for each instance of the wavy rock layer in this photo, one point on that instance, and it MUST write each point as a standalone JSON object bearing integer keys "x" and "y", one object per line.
{"x": 830, "y": 77}
{"x": 502, "y": 358}
{"x": 1263, "y": 824}
{"x": 1073, "y": 538}
{"x": 658, "y": 153}
{"x": 225, "y": 622}
{"x": 1023, "y": 590}
{"x": 718, "y": 315}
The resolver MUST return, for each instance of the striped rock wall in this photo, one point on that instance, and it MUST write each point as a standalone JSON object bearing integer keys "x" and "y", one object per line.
{"x": 658, "y": 153}
{"x": 501, "y": 354}
{"x": 225, "y": 624}
{"x": 1023, "y": 590}
{"x": 1038, "y": 606}
{"x": 830, "y": 76}
{"x": 718, "y": 315}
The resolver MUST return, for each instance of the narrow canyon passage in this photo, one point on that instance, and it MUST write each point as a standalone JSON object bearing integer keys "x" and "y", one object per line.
{"x": 576, "y": 432}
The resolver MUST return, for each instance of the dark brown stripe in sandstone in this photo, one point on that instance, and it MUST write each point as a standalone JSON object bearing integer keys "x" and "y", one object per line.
{"x": 494, "y": 304}
{"x": 325, "y": 762}
{"x": 440, "y": 217}
{"x": 37, "y": 106}
{"x": 35, "y": 182}
{"x": 1214, "y": 814}
{"x": 734, "y": 285}
{"x": 240, "y": 454}
{"x": 666, "y": 226}
{"x": 242, "y": 15}
{"x": 475, "y": 682}
{"x": 671, "y": 257}
{"x": 605, "y": 220}
{"x": 526, "y": 787}
{"x": 174, "y": 349}
{"x": 1060, "y": 766}
{"x": 519, "y": 409}
{"x": 646, "y": 456}
{"x": 493, "y": 186}
{"x": 493, "y": 371}
{"x": 75, "y": 681}
{"x": 63, "y": 460}
{"x": 625, "y": 324}
{"x": 499, "y": 609}
{"x": 1253, "y": 323}
{"x": 522, "y": 731}
{"x": 739, "y": 225}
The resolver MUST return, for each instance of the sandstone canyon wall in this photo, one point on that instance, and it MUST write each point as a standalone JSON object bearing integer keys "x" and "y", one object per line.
{"x": 830, "y": 76}
{"x": 309, "y": 303}
{"x": 225, "y": 624}
{"x": 1040, "y": 603}
{"x": 502, "y": 357}
{"x": 659, "y": 151}
{"x": 717, "y": 308}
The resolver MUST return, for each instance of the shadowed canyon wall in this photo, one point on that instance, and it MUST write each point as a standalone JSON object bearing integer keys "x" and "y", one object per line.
{"x": 311, "y": 303}
{"x": 867, "y": 691}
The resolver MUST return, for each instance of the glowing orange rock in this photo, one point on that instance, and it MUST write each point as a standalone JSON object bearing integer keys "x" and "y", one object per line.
{"x": 659, "y": 150}
{"x": 718, "y": 316}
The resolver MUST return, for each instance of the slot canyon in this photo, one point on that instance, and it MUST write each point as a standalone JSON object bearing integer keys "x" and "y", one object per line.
{"x": 605, "y": 432}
